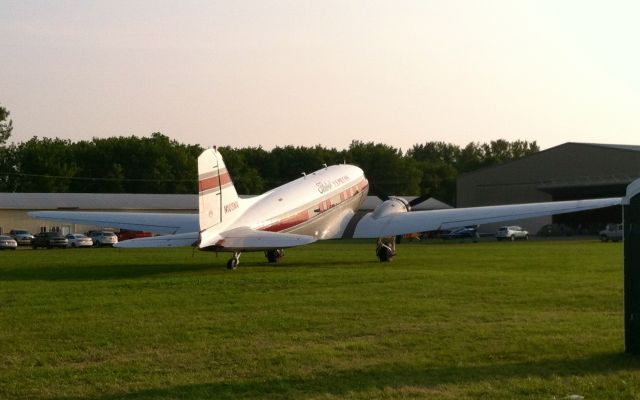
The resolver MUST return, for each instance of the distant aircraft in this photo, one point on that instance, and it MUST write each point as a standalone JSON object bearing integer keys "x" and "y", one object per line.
{"x": 317, "y": 206}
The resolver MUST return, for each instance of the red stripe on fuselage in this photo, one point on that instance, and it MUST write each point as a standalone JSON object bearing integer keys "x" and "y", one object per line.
{"x": 288, "y": 222}
{"x": 310, "y": 212}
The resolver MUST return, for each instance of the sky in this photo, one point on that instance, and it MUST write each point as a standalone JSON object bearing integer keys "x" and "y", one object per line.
{"x": 303, "y": 73}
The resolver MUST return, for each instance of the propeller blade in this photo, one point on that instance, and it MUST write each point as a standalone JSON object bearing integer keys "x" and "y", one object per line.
{"x": 375, "y": 190}
{"x": 419, "y": 200}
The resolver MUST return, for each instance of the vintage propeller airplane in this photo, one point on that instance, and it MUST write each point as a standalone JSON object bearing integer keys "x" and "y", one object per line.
{"x": 318, "y": 206}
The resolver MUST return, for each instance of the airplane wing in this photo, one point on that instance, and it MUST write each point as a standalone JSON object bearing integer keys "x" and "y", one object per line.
{"x": 240, "y": 239}
{"x": 179, "y": 240}
{"x": 171, "y": 223}
{"x": 247, "y": 239}
{"x": 421, "y": 221}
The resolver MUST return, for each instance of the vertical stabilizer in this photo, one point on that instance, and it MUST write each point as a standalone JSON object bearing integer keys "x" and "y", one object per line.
{"x": 218, "y": 198}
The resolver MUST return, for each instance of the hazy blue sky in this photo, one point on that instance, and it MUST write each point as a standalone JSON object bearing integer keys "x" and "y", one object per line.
{"x": 249, "y": 73}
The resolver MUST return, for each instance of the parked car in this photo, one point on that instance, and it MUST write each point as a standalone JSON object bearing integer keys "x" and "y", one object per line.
{"x": 103, "y": 238}
{"x": 556, "y": 229}
{"x": 21, "y": 236}
{"x": 613, "y": 232}
{"x": 49, "y": 240}
{"x": 462, "y": 233}
{"x": 78, "y": 240}
{"x": 7, "y": 242}
{"x": 511, "y": 233}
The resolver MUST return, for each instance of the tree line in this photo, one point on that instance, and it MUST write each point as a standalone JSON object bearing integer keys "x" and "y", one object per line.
{"x": 158, "y": 164}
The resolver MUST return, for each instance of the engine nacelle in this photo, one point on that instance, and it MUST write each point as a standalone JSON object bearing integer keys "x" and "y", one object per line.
{"x": 392, "y": 206}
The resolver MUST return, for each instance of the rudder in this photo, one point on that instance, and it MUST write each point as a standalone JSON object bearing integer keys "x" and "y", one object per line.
{"x": 218, "y": 198}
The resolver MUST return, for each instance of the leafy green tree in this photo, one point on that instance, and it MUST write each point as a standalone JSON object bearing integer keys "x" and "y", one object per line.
{"x": 44, "y": 165}
{"x": 8, "y": 168}
{"x": 437, "y": 161}
{"x": 499, "y": 151}
{"x": 388, "y": 172}
{"x": 246, "y": 178}
{"x": 441, "y": 163}
{"x": 471, "y": 158}
{"x": 6, "y": 154}
{"x": 6, "y": 126}
{"x": 435, "y": 152}
{"x": 137, "y": 165}
{"x": 158, "y": 164}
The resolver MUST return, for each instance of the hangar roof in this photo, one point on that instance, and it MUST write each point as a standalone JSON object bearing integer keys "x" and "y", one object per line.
{"x": 612, "y": 146}
{"x": 567, "y": 171}
{"x": 555, "y": 149}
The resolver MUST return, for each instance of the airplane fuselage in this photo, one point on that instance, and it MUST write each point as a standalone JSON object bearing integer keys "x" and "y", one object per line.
{"x": 313, "y": 205}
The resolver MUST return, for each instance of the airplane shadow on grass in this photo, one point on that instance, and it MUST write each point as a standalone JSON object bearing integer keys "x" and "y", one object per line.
{"x": 131, "y": 271}
{"x": 387, "y": 377}
{"x": 95, "y": 272}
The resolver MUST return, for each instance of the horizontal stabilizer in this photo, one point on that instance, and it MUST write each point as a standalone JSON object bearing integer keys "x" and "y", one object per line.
{"x": 247, "y": 239}
{"x": 421, "y": 221}
{"x": 179, "y": 240}
{"x": 152, "y": 222}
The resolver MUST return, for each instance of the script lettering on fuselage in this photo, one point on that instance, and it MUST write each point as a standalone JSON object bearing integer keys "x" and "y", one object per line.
{"x": 230, "y": 207}
{"x": 326, "y": 186}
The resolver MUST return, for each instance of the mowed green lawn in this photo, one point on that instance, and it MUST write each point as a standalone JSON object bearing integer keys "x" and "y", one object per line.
{"x": 537, "y": 319}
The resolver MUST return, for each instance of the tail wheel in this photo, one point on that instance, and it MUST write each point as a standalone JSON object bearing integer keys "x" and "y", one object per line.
{"x": 512, "y": 238}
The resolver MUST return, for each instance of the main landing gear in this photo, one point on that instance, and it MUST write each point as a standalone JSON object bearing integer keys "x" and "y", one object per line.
{"x": 274, "y": 255}
{"x": 234, "y": 261}
{"x": 386, "y": 248}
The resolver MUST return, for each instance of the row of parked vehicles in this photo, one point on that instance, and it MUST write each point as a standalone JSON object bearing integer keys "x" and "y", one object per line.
{"x": 55, "y": 239}
{"x": 21, "y": 237}
{"x": 612, "y": 232}
{"x": 511, "y": 232}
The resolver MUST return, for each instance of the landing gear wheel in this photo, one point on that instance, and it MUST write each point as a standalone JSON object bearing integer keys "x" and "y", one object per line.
{"x": 234, "y": 261}
{"x": 385, "y": 254}
{"x": 386, "y": 248}
{"x": 274, "y": 256}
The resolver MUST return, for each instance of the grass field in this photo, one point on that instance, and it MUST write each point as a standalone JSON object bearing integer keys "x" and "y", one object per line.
{"x": 537, "y": 319}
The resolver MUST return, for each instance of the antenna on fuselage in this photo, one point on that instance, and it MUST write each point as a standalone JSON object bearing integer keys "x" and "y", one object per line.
{"x": 324, "y": 165}
{"x": 304, "y": 174}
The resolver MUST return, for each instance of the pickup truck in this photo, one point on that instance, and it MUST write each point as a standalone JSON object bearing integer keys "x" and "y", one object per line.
{"x": 612, "y": 232}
